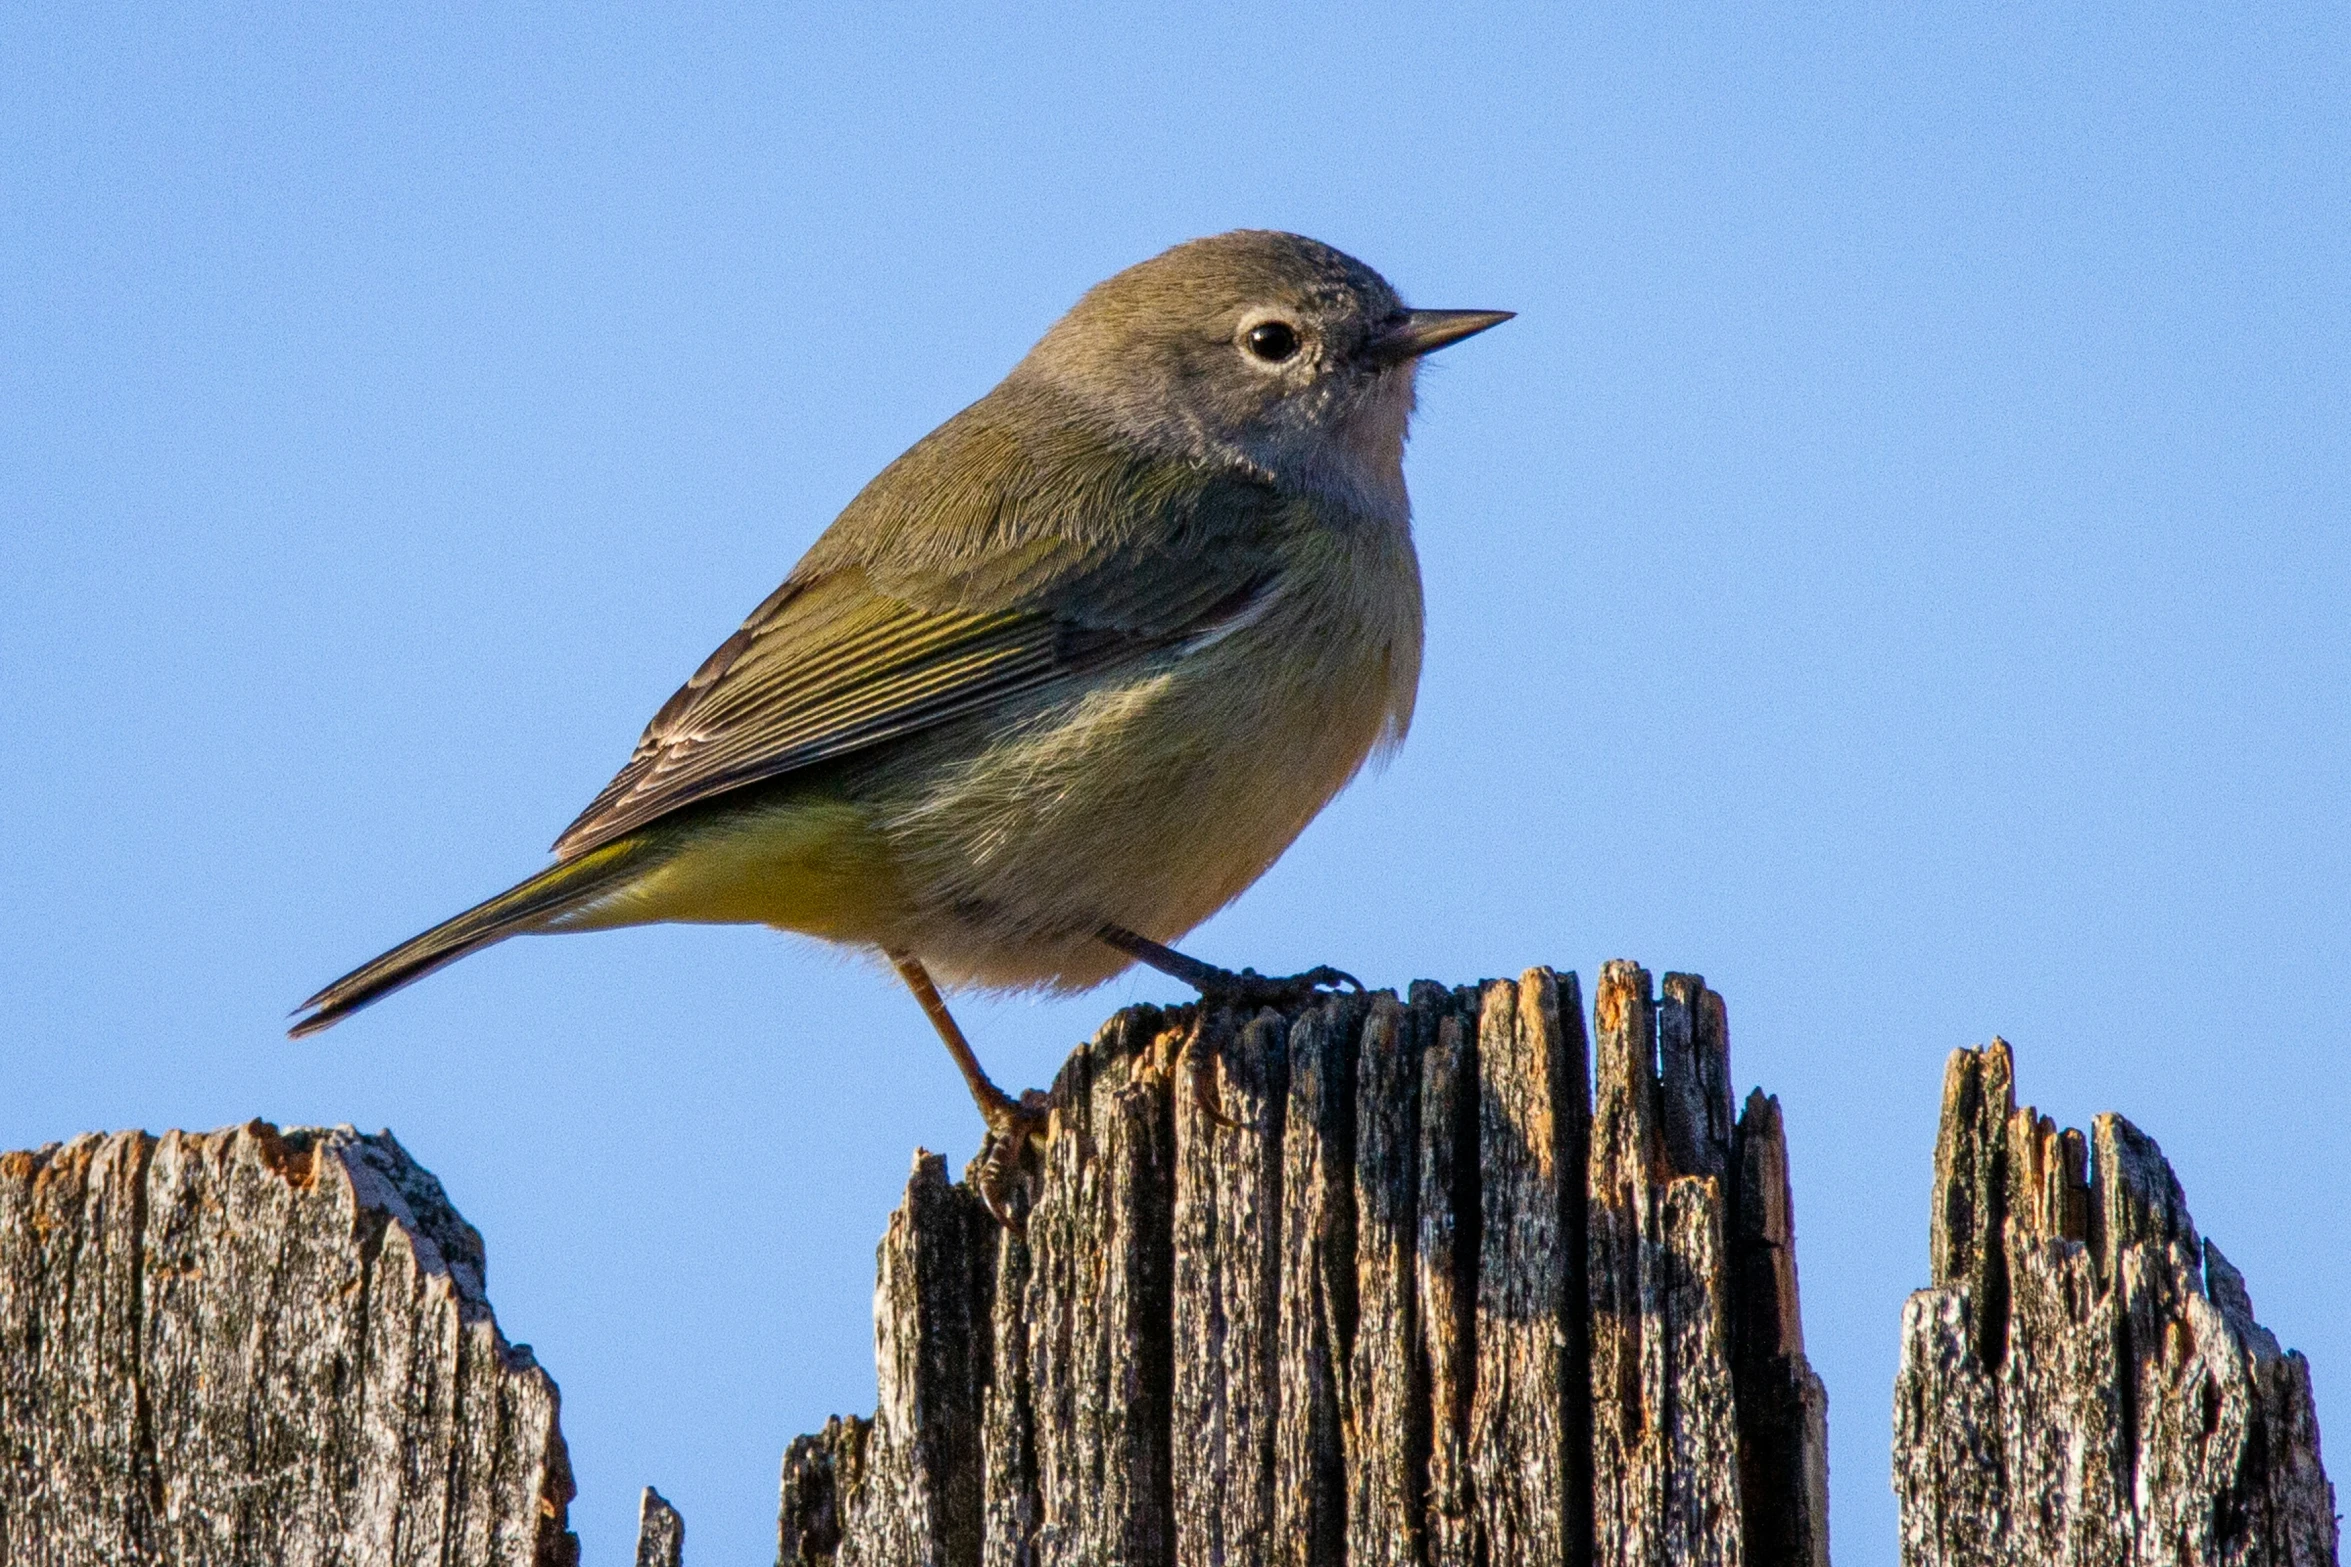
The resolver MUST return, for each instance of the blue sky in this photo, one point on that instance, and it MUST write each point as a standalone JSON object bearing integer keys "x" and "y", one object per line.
{"x": 1895, "y": 565}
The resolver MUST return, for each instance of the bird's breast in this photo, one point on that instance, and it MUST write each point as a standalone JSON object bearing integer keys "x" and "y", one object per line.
{"x": 1150, "y": 797}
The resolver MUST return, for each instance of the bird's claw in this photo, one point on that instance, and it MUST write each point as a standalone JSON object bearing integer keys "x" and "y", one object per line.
{"x": 1248, "y": 988}
{"x": 1011, "y": 1128}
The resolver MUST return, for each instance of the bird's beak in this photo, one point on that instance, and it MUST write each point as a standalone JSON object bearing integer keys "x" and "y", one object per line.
{"x": 1418, "y": 332}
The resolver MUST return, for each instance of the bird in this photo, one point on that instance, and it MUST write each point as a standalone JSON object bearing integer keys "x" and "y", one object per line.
{"x": 1062, "y": 681}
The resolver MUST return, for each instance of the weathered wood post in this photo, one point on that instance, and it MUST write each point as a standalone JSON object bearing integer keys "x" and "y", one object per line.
{"x": 2085, "y": 1383}
{"x": 661, "y": 1533}
{"x": 253, "y": 1346}
{"x": 1397, "y": 1289}
{"x": 1445, "y": 1281}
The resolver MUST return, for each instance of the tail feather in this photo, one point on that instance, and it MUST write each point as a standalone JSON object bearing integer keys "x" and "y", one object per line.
{"x": 532, "y": 905}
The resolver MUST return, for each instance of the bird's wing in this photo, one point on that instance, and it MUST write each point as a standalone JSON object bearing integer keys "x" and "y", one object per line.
{"x": 882, "y": 631}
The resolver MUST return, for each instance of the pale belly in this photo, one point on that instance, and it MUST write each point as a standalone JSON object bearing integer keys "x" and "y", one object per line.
{"x": 996, "y": 848}
{"x": 1149, "y": 804}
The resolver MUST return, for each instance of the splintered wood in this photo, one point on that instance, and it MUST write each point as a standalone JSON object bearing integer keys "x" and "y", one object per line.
{"x": 255, "y": 1346}
{"x": 661, "y": 1533}
{"x": 1364, "y": 1282}
{"x": 2084, "y": 1385}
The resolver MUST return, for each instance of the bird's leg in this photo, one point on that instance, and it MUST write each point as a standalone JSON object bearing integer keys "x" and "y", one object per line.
{"x": 1012, "y": 1123}
{"x": 1220, "y": 987}
{"x": 1248, "y": 988}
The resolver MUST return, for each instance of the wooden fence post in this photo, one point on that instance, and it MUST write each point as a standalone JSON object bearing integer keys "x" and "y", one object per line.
{"x": 1404, "y": 1293}
{"x": 255, "y": 1346}
{"x": 2084, "y": 1383}
{"x": 1441, "y": 1281}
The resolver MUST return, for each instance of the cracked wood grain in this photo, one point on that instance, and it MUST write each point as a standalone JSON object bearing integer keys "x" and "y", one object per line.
{"x": 2084, "y": 1382}
{"x": 1316, "y": 1290}
{"x": 1446, "y": 1268}
{"x": 1530, "y": 1444}
{"x": 1228, "y": 1241}
{"x": 254, "y": 1345}
{"x": 1420, "y": 1281}
{"x": 1668, "y": 1432}
{"x": 1388, "y": 1426}
{"x": 1333, "y": 1284}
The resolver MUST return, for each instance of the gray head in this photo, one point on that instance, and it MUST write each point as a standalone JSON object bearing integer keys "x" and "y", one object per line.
{"x": 1256, "y": 346}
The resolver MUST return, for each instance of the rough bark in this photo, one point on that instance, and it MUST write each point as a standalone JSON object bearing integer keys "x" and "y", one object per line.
{"x": 252, "y": 1346}
{"x": 1314, "y": 1407}
{"x": 1356, "y": 1282}
{"x": 919, "y": 1504}
{"x": 2085, "y": 1383}
{"x": 1389, "y": 1380}
{"x": 1529, "y": 1447}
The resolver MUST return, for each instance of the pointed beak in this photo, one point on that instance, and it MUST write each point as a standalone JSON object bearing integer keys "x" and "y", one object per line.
{"x": 1418, "y": 332}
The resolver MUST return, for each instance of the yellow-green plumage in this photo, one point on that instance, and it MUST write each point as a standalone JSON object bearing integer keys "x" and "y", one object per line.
{"x": 1092, "y": 653}
{"x": 800, "y": 859}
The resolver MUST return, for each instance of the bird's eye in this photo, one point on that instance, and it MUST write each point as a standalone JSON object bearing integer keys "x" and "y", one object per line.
{"x": 1272, "y": 341}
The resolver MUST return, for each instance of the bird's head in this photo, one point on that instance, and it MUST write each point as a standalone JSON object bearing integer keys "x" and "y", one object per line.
{"x": 1258, "y": 346}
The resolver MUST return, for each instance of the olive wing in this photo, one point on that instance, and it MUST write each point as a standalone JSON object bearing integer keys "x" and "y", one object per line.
{"x": 863, "y": 645}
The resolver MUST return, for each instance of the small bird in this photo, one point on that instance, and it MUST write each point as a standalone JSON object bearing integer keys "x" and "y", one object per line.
{"x": 1063, "y": 680}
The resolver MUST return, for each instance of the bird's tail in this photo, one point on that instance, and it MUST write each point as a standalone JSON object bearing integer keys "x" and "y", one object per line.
{"x": 535, "y": 904}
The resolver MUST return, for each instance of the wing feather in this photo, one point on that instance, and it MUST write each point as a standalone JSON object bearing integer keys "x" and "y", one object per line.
{"x": 863, "y": 645}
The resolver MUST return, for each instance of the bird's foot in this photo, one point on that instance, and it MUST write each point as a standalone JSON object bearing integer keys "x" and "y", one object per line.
{"x": 1012, "y": 1126}
{"x": 1221, "y": 987}
{"x": 1222, "y": 990}
{"x": 1248, "y": 988}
